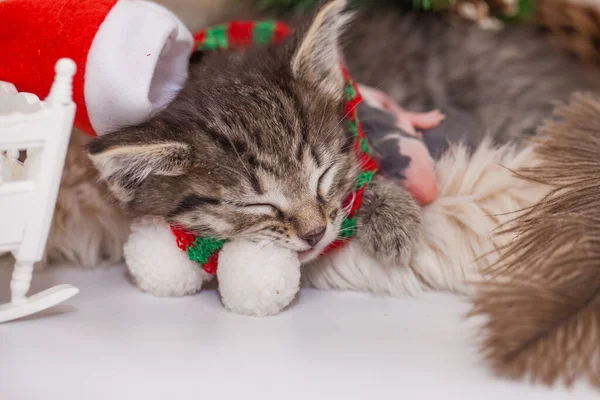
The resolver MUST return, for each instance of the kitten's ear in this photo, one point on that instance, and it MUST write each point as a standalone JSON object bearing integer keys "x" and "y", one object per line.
{"x": 125, "y": 159}
{"x": 317, "y": 57}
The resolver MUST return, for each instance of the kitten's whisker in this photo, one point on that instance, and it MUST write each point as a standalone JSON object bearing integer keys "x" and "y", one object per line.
{"x": 270, "y": 236}
{"x": 344, "y": 118}
{"x": 378, "y": 86}
{"x": 345, "y": 148}
{"x": 352, "y": 110}
{"x": 261, "y": 249}
{"x": 346, "y": 210}
{"x": 232, "y": 171}
{"x": 239, "y": 156}
{"x": 323, "y": 118}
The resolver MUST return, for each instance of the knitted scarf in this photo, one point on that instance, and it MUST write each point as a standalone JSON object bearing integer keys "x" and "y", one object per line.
{"x": 237, "y": 35}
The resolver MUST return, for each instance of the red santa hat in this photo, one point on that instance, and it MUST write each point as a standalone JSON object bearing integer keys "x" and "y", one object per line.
{"x": 132, "y": 55}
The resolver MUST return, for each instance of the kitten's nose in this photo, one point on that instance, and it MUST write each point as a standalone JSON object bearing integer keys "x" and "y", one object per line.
{"x": 313, "y": 237}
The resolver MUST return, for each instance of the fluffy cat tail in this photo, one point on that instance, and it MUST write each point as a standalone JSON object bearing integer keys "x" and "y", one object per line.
{"x": 542, "y": 311}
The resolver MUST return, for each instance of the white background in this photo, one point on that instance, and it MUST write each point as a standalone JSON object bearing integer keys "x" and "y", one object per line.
{"x": 113, "y": 342}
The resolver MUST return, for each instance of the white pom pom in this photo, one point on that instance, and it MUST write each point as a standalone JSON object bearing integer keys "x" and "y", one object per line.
{"x": 257, "y": 279}
{"x": 157, "y": 265}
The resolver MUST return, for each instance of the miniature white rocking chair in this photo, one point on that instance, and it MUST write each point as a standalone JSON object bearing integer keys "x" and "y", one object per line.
{"x": 28, "y": 190}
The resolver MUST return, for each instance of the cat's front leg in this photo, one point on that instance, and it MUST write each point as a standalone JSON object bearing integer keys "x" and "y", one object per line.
{"x": 389, "y": 222}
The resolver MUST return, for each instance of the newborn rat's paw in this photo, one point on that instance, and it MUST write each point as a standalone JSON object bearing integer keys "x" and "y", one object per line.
{"x": 257, "y": 279}
{"x": 428, "y": 120}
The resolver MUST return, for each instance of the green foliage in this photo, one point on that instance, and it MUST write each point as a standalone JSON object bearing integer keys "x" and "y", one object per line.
{"x": 526, "y": 12}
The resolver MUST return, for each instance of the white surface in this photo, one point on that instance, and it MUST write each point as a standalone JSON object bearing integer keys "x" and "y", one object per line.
{"x": 113, "y": 342}
{"x": 28, "y": 196}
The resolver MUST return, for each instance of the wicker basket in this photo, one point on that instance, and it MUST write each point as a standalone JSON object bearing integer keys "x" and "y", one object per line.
{"x": 574, "y": 25}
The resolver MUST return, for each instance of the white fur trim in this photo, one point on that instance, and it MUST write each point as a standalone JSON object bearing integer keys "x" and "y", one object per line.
{"x": 137, "y": 63}
{"x": 157, "y": 265}
{"x": 475, "y": 195}
{"x": 257, "y": 279}
{"x": 351, "y": 268}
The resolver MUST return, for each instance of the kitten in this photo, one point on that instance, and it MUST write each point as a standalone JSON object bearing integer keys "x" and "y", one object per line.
{"x": 255, "y": 147}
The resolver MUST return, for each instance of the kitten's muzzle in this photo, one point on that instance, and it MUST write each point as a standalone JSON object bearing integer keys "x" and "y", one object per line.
{"x": 314, "y": 236}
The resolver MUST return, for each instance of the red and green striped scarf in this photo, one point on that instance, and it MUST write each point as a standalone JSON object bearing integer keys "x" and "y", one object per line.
{"x": 237, "y": 35}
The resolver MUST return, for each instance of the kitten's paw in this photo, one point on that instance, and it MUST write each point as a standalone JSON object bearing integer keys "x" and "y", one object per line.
{"x": 389, "y": 222}
{"x": 257, "y": 279}
{"x": 157, "y": 265}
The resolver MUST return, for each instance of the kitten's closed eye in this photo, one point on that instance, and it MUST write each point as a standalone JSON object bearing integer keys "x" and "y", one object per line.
{"x": 326, "y": 180}
{"x": 192, "y": 202}
{"x": 262, "y": 208}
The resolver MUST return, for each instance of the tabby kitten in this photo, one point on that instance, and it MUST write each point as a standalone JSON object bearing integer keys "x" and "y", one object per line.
{"x": 254, "y": 147}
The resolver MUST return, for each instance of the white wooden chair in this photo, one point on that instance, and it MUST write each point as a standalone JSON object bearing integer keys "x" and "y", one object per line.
{"x": 28, "y": 190}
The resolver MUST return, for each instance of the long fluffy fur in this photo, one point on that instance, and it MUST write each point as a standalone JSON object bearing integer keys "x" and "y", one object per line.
{"x": 477, "y": 193}
{"x": 543, "y": 308}
{"x": 87, "y": 228}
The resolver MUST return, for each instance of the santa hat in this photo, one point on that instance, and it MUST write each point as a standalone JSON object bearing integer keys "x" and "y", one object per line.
{"x": 132, "y": 56}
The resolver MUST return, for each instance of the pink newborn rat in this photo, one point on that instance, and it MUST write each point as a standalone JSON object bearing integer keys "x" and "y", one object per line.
{"x": 396, "y": 138}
